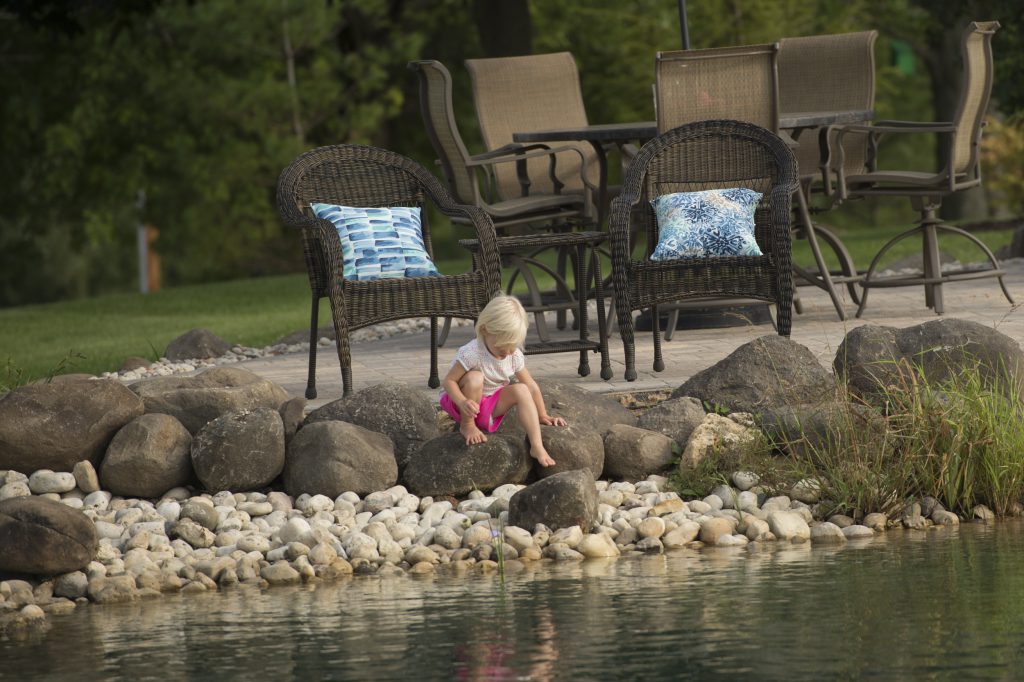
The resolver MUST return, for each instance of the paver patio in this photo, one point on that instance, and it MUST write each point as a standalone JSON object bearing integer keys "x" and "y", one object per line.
{"x": 406, "y": 358}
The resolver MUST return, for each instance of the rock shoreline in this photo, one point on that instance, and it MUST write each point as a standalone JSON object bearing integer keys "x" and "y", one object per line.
{"x": 188, "y": 484}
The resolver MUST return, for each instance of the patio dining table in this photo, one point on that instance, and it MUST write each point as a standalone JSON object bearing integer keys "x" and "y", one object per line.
{"x": 621, "y": 133}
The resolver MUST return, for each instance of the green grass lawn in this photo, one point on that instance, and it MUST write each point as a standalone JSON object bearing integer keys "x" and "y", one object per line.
{"x": 34, "y": 340}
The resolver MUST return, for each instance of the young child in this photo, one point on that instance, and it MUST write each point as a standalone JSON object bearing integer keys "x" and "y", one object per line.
{"x": 477, "y": 388}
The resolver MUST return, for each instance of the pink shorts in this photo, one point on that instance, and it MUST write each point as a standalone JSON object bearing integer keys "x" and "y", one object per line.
{"x": 485, "y": 420}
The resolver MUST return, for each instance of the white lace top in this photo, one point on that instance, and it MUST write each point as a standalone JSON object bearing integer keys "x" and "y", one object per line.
{"x": 497, "y": 373}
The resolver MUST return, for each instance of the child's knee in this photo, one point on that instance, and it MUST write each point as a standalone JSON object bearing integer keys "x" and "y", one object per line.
{"x": 472, "y": 380}
{"x": 520, "y": 391}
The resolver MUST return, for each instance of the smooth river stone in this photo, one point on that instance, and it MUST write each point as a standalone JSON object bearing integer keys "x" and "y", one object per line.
{"x": 858, "y": 531}
{"x": 597, "y": 545}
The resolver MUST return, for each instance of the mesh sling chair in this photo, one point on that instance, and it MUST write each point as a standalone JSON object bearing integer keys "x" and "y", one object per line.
{"x": 359, "y": 176}
{"x": 961, "y": 171}
{"x": 472, "y": 179}
{"x": 731, "y": 83}
{"x": 817, "y": 74}
{"x": 700, "y": 156}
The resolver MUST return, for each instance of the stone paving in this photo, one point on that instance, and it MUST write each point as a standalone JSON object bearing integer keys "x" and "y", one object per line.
{"x": 406, "y": 358}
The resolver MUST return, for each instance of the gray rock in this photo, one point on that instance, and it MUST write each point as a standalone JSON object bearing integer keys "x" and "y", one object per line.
{"x": 240, "y": 450}
{"x": 713, "y": 528}
{"x": 148, "y": 457}
{"x": 872, "y": 357}
{"x": 762, "y": 374}
{"x": 447, "y": 466}
{"x": 675, "y": 418}
{"x": 197, "y": 400}
{"x": 875, "y": 521}
{"x": 633, "y": 454}
{"x": 912, "y": 517}
{"x": 194, "y": 534}
{"x": 983, "y": 513}
{"x": 398, "y": 411}
{"x": 196, "y": 343}
{"x": 73, "y": 585}
{"x": 827, "y": 533}
{"x": 809, "y": 430}
{"x": 719, "y": 436}
{"x": 55, "y": 425}
{"x": 941, "y": 517}
{"x": 787, "y": 525}
{"x": 572, "y": 447}
{"x": 331, "y": 457}
{"x": 46, "y": 481}
{"x": 85, "y": 477}
{"x": 202, "y": 512}
{"x": 559, "y": 501}
{"x": 745, "y": 480}
{"x": 292, "y": 412}
{"x": 42, "y": 537}
{"x": 114, "y": 589}
{"x": 858, "y": 531}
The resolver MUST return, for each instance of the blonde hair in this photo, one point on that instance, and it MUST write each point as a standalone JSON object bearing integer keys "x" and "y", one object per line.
{"x": 505, "y": 319}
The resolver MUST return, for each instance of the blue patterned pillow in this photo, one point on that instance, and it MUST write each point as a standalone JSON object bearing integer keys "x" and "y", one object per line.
{"x": 715, "y": 222}
{"x": 379, "y": 243}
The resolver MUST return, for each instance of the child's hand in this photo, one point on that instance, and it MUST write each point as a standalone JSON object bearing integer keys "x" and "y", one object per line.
{"x": 470, "y": 407}
{"x": 548, "y": 420}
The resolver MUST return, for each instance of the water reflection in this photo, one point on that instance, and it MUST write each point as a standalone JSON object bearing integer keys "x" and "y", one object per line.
{"x": 937, "y": 603}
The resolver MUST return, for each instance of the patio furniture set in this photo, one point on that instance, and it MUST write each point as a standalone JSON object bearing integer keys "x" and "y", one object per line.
{"x": 705, "y": 214}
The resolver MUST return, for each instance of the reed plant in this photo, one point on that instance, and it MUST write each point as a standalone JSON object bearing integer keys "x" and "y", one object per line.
{"x": 959, "y": 439}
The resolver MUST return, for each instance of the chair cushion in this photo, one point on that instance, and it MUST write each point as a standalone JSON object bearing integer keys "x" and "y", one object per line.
{"x": 714, "y": 222}
{"x": 379, "y": 243}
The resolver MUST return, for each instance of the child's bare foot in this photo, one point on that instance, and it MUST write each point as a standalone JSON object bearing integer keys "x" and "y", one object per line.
{"x": 472, "y": 433}
{"x": 541, "y": 455}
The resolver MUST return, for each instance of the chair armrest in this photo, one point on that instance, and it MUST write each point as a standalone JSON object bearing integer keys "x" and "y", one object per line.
{"x": 519, "y": 154}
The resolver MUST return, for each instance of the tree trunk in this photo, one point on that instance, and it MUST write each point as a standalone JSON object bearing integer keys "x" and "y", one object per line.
{"x": 504, "y": 27}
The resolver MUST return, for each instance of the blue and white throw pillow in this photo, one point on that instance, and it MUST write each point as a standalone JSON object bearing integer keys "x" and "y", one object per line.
{"x": 379, "y": 243}
{"x": 715, "y": 222}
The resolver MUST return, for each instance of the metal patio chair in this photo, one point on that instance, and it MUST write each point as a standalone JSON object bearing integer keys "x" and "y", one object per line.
{"x": 962, "y": 138}
{"x": 827, "y": 73}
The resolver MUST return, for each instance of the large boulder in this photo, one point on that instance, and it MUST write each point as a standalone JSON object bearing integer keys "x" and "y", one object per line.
{"x": 580, "y": 407}
{"x": 765, "y": 373}
{"x": 675, "y": 418}
{"x": 42, "y": 537}
{"x": 199, "y": 399}
{"x": 332, "y": 457}
{"x": 834, "y": 426}
{"x": 239, "y": 451}
{"x": 633, "y": 454}
{"x": 148, "y": 457}
{"x": 572, "y": 447}
{"x": 559, "y": 501}
{"x": 873, "y": 357}
{"x": 400, "y": 412}
{"x": 447, "y": 466}
{"x": 196, "y": 343}
{"x": 55, "y": 425}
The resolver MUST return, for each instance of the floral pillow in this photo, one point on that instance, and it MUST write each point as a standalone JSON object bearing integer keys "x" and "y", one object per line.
{"x": 379, "y": 243}
{"x": 714, "y": 222}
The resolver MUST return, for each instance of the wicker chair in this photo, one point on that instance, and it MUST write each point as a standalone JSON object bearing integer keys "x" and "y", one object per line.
{"x": 827, "y": 73}
{"x": 962, "y": 138}
{"x": 354, "y": 175}
{"x": 554, "y": 213}
{"x": 700, "y": 156}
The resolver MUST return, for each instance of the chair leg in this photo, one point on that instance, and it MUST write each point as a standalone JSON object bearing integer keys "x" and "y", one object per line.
{"x": 932, "y": 268}
{"x": 824, "y": 277}
{"x": 846, "y": 264}
{"x": 626, "y": 331}
{"x": 876, "y": 260}
{"x": 434, "y": 381}
{"x": 344, "y": 349}
{"x": 442, "y": 337}
{"x": 659, "y": 362}
{"x": 580, "y": 271}
{"x": 314, "y": 315}
{"x": 670, "y": 326}
{"x": 602, "y": 323}
{"x": 988, "y": 253}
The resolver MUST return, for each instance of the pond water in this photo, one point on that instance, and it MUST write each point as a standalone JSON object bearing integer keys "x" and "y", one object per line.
{"x": 939, "y": 604}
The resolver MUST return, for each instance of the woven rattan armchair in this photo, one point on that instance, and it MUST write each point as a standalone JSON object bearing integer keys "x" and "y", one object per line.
{"x": 962, "y": 139}
{"x": 819, "y": 74}
{"x": 359, "y": 176}
{"x": 700, "y": 156}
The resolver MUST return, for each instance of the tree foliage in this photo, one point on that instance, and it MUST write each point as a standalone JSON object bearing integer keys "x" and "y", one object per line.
{"x": 199, "y": 105}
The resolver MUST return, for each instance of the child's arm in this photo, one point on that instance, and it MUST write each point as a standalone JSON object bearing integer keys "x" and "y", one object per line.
{"x": 451, "y": 387}
{"x": 523, "y": 377}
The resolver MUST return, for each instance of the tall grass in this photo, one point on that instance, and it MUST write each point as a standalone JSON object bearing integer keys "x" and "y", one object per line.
{"x": 960, "y": 440}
